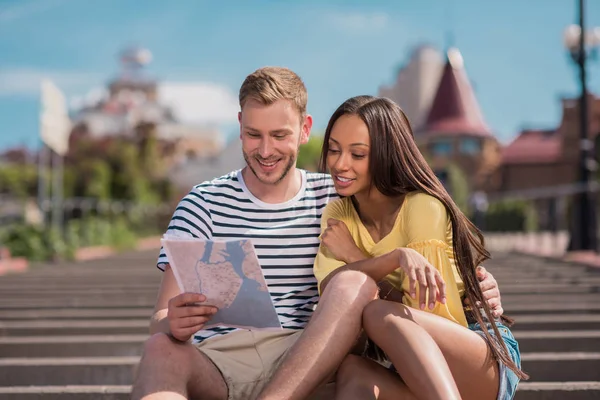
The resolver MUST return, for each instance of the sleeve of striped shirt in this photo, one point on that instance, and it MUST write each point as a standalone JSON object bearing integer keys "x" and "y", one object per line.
{"x": 191, "y": 219}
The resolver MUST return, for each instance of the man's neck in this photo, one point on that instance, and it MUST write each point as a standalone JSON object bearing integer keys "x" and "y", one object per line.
{"x": 276, "y": 193}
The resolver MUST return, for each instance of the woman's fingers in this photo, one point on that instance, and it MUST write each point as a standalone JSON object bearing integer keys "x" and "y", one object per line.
{"x": 432, "y": 286}
{"x": 422, "y": 278}
{"x": 412, "y": 283}
{"x": 442, "y": 287}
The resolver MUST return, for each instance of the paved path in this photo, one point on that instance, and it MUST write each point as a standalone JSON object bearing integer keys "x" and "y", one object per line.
{"x": 74, "y": 331}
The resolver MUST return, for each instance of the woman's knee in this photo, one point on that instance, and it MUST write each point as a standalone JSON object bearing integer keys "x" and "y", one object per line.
{"x": 378, "y": 312}
{"x": 353, "y": 284}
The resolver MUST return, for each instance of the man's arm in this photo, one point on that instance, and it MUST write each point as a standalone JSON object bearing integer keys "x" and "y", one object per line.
{"x": 167, "y": 290}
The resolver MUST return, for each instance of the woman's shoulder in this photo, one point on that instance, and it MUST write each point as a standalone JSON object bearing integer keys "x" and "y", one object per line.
{"x": 339, "y": 209}
{"x": 422, "y": 203}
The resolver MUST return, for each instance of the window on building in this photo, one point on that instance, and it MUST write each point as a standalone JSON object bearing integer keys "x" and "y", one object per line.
{"x": 442, "y": 148}
{"x": 470, "y": 146}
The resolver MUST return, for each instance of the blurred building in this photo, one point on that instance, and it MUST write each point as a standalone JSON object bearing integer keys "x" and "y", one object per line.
{"x": 416, "y": 84}
{"x": 131, "y": 109}
{"x": 448, "y": 125}
{"x": 539, "y": 158}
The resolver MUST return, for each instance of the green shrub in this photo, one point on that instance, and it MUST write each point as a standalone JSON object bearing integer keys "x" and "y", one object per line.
{"x": 511, "y": 216}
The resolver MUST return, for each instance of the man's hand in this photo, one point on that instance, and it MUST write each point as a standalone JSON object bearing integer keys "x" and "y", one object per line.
{"x": 185, "y": 317}
{"x": 490, "y": 290}
{"x": 338, "y": 240}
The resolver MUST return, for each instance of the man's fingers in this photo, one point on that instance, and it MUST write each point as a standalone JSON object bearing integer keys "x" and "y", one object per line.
{"x": 498, "y": 311}
{"x": 187, "y": 298}
{"x": 481, "y": 272}
{"x": 488, "y": 284}
{"x": 332, "y": 222}
{"x": 494, "y": 303}
{"x": 180, "y": 334}
{"x": 490, "y": 294}
{"x": 190, "y": 322}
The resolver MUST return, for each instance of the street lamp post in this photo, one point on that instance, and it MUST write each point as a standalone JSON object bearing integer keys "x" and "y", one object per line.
{"x": 581, "y": 45}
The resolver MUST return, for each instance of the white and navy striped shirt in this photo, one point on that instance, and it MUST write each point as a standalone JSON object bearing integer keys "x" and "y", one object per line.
{"x": 285, "y": 235}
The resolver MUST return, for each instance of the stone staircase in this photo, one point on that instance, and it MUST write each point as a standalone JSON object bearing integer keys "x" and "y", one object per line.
{"x": 74, "y": 331}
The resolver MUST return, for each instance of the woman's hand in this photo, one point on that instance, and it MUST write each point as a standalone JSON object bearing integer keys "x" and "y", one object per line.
{"x": 336, "y": 237}
{"x": 418, "y": 269}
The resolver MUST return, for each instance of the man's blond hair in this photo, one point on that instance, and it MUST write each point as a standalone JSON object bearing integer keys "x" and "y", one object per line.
{"x": 269, "y": 84}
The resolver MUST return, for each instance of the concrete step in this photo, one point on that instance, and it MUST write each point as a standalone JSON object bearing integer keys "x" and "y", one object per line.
{"x": 562, "y": 288}
{"x": 76, "y": 313}
{"x": 74, "y": 327}
{"x": 526, "y": 322}
{"x": 551, "y": 298}
{"x": 61, "y": 287}
{"x": 116, "y": 392}
{"x": 71, "y": 346}
{"x": 67, "y": 371}
{"x": 562, "y": 308}
{"x": 7, "y": 297}
{"x": 558, "y": 391}
{"x": 579, "y": 279}
{"x": 558, "y": 341}
{"x": 560, "y": 367}
{"x": 81, "y": 302}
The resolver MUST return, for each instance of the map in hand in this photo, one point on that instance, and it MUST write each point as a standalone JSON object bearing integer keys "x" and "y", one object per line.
{"x": 229, "y": 275}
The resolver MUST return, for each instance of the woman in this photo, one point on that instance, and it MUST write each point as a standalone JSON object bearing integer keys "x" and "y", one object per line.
{"x": 392, "y": 203}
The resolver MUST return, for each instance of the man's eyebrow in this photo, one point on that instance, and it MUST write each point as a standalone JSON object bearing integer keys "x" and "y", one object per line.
{"x": 275, "y": 131}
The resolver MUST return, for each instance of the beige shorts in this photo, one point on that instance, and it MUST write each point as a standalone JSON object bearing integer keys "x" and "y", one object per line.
{"x": 248, "y": 359}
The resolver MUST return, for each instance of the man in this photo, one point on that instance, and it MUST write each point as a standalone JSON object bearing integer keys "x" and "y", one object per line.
{"x": 278, "y": 207}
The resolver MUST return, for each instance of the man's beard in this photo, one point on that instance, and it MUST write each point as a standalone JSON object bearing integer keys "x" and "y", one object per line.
{"x": 291, "y": 162}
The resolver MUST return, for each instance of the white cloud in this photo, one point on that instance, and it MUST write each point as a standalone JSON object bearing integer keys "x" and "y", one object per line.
{"x": 197, "y": 103}
{"x": 200, "y": 102}
{"x": 355, "y": 21}
{"x": 26, "y": 81}
{"x": 23, "y": 10}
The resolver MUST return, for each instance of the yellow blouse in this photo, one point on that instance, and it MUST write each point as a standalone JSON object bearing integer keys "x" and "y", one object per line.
{"x": 423, "y": 225}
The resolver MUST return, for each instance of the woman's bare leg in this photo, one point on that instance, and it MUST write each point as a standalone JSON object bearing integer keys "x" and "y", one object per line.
{"x": 361, "y": 379}
{"x": 405, "y": 334}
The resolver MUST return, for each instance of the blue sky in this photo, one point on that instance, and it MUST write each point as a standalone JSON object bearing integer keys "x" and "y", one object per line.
{"x": 512, "y": 49}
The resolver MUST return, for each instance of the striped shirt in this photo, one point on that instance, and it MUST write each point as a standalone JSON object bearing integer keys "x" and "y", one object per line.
{"x": 285, "y": 236}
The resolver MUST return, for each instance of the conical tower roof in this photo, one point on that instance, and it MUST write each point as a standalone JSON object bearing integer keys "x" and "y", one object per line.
{"x": 455, "y": 109}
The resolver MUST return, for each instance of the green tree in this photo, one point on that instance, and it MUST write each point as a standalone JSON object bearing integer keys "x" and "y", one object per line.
{"x": 459, "y": 187}
{"x": 310, "y": 153}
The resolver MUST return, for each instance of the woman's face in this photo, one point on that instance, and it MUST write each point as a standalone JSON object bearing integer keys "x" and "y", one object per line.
{"x": 348, "y": 155}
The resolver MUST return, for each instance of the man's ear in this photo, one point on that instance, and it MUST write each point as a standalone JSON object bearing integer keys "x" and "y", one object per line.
{"x": 306, "y": 127}
{"x": 240, "y": 121}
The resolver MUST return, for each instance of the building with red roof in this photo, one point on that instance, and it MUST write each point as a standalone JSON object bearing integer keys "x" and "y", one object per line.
{"x": 544, "y": 158}
{"x": 455, "y": 131}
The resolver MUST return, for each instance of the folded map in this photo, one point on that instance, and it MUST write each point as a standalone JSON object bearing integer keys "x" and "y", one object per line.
{"x": 229, "y": 275}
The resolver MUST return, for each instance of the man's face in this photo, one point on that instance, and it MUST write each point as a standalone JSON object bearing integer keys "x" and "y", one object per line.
{"x": 270, "y": 138}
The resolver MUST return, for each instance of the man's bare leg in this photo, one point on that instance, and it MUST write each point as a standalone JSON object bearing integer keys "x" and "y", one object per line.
{"x": 171, "y": 370}
{"x": 326, "y": 340}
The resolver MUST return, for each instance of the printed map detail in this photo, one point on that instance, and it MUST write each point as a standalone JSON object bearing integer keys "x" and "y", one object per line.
{"x": 229, "y": 275}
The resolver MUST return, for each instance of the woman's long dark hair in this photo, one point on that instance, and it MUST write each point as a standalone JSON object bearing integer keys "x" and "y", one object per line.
{"x": 397, "y": 167}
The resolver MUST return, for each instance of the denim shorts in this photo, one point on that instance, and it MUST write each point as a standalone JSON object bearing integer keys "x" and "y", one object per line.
{"x": 508, "y": 379}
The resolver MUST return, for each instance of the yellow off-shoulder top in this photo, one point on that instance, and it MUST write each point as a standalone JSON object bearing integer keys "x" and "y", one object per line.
{"x": 422, "y": 224}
